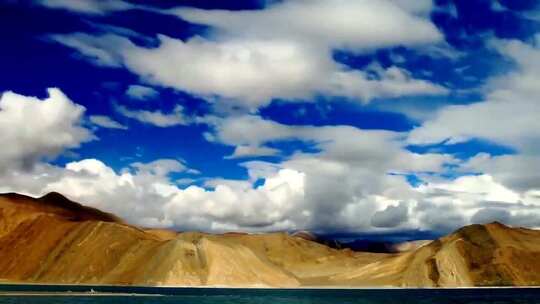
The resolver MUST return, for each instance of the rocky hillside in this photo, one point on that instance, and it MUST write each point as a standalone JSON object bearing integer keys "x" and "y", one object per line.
{"x": 54, "y": 240}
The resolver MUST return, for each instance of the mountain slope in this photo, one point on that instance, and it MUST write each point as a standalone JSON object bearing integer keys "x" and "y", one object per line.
{"x": 475, "y": 255}
{"x": 54, "y": 240}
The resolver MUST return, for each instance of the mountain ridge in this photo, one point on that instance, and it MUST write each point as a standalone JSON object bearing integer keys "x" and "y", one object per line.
{"x": 55, "y": 240}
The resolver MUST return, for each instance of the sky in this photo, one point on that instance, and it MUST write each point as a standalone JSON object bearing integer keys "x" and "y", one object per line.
{"x": 349, "y": 117}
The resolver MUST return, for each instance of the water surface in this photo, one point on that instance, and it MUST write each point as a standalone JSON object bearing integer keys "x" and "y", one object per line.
{"x": 64, "y": 294}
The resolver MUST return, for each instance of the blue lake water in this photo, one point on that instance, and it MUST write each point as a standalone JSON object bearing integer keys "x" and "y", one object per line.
{"x": 65, "y": 294}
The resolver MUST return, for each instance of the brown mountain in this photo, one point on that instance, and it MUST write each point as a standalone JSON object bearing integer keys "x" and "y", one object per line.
{"x": 54, "y": 240}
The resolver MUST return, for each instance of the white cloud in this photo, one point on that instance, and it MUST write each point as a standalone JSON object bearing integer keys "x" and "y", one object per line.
{"x": 160, "y": 167}
{"x": 515, "y": 171}
{"x": 141, "y": 92}
{"x": 106, "y": 122}
{"x": 92, "y": 7}
{"x": 348, "y": 181}
{"x": 476, "y": 188}
{"x": 472, "y": 199}
{"x": 146, "y": 196}
{"x": 422, "y": 7}
{"x": 252, "y": 151}
{"x": 343, "y": 142}
{"x": 356, "y": 179}
{"x": 33, "y": 129}
{"x": 390, "y": 83}
{"x": 283, "y": 51}
{"x": 320, "y": 192}
{"x": 341, "y": 187}
{"x": 98, "y": 51}
{"x": 360, "y": 24}
{"x": 392, "y": 216}
{"x": 250, "y": 130}
{"x": 155, "y": 118}
{"x": 488, "y": 215}
{"x": 248, "y": 70}
{"x": 509, "y": 116}
{"x": 347, "y": 185}
{"x": 255, "y": 71}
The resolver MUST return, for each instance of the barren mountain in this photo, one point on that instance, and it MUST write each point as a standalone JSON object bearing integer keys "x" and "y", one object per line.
{"x": 54, "y": 240}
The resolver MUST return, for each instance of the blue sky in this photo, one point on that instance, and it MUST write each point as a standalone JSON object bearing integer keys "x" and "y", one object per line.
{"x": 334, "y": 116}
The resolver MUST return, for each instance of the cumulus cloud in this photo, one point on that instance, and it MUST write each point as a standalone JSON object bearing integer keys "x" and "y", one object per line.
{"x": 247, "y": 72}
{"x": 475, "y": 188}
{"x": 442, "y": 217}
{"x": 146, "y": 196}
{"x": 341, "y": 187}
{"x": 517, "y": 171}
{"x": 156, "y": 118}
{"x": 106, "y": 122}
{"x": 488, "y": 215}
{"x": 343, "y": 142}
{"x": 34, "y": 129}
{"x": 308, "y": 192}
{"x": 508, "y": 117}
{"x": 447, "y": 204}
{"x": 360, "y": 24}
{"x": 252, "y": 151}
{"x": 348, "y": 181}
{"x": 283, "y": 51}
{"x": 141, "y": 92}
{"x": 392, "y": 216}
{"x": 160, "y": 167}
{"x": 513, "y": 95}
{"x": 352, "y": 179}
{"x": 344, "y": 187}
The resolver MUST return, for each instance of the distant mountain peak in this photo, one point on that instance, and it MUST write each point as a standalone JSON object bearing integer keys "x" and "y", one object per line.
{"x": 52, "y": 239}
{"x": 59, "y": 205}
{"x": 56, "y": 196}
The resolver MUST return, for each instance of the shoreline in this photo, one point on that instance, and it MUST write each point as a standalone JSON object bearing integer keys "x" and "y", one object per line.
{"x": 75, "y": 294}
{"x": 225, "y": 287}
{"x": 16, "y": 291}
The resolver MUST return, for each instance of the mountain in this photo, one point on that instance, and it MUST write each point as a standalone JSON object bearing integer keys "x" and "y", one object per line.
{"x": 365, "y": 245}
{"x": 54, "y": 240}
{"x": 475, "y": 255}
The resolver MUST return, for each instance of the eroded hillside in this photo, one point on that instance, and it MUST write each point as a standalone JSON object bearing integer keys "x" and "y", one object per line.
{"x": 54, "y": 240}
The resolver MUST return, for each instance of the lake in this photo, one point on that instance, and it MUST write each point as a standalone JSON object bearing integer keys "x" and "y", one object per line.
{"x": 113, "y": 294}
